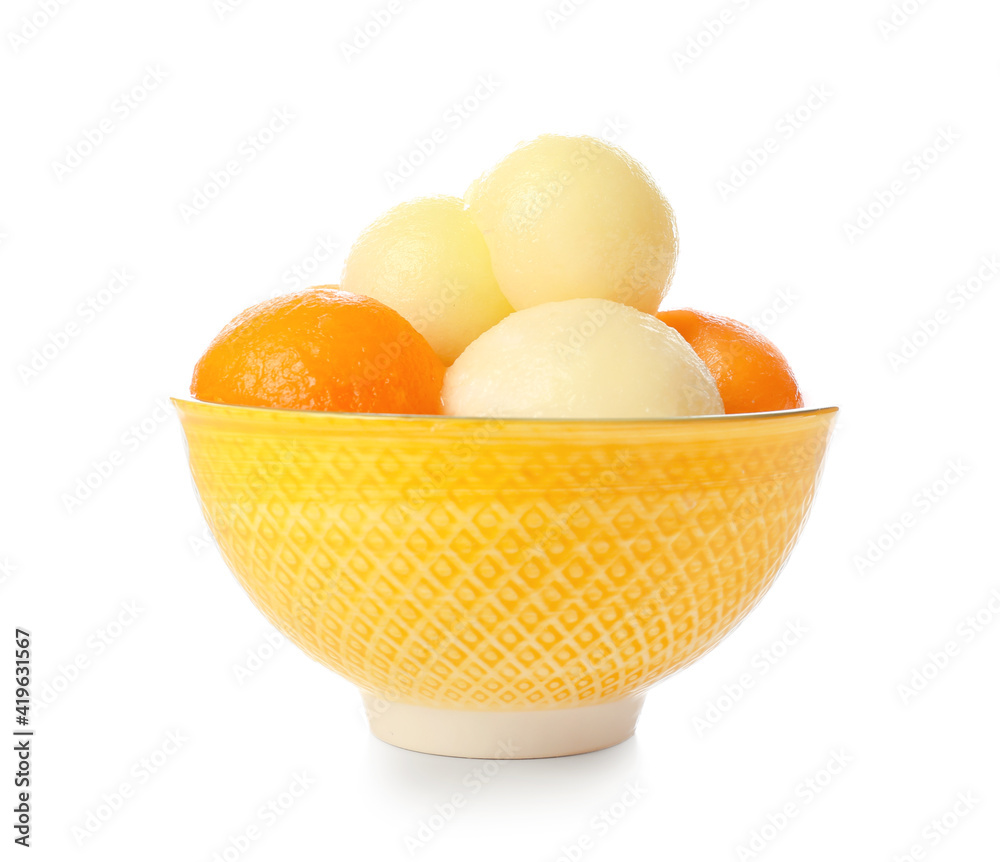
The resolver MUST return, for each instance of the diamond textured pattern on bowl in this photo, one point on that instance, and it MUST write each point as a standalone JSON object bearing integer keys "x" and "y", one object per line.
{"x": 487, "y": 564}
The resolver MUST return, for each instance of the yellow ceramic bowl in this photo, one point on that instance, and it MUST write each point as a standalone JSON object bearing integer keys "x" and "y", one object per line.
{"x": 503, "y": 587}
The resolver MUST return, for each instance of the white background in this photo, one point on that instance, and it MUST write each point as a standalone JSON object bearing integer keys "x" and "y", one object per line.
{"x": 912, "y": 467}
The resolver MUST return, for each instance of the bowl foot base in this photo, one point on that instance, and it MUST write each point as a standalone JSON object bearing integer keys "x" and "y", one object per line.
{"x": 503, "y": 735}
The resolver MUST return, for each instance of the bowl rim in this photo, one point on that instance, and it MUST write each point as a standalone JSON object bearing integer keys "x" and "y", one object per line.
{"x": 321, "y": 415}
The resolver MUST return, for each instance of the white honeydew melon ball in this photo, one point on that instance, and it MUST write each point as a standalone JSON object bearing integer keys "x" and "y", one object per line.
{"x": 571, "y": 217}
{"x": 427, "y": 260}
{"x": 580, "y": 359}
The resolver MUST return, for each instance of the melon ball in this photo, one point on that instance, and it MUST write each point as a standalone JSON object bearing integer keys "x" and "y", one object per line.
{"x": 427, "y": 260}
{"x": 580, "y": 359}
{"x": 572, "y": 217}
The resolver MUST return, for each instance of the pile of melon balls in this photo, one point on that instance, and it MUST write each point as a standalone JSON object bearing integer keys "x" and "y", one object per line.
{"x": 540, "y": 290}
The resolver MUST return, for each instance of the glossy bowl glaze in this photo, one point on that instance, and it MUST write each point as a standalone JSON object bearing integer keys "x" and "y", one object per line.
{"x": 491, "y": 583}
